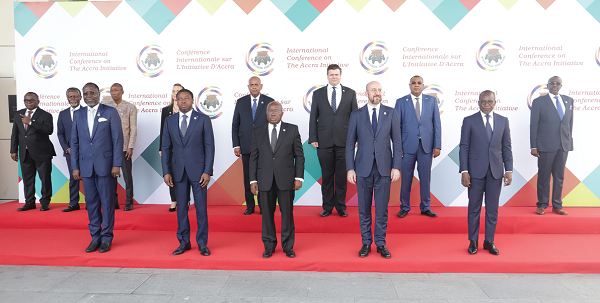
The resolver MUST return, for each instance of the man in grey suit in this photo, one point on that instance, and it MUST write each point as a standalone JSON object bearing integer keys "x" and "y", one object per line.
{"x": 551, "y": 135}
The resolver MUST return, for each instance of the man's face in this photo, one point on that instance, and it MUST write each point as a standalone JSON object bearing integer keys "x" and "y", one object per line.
{"x": 374, "y": 93}
{"x": 254, "y": 86}
{"x": 416, "y": 86}
{"x": 74, "y": 98}
{"x": 274, "y": 113}
{"x": 554, "y": 85}
{"x": 176, "y": 89}
{"x": 116, "y": 92}
{"x": 91, "y": 95}
{"x": 486, "y": 103}
{"x": 185, "y": 101}
{"x": 31, "y": 101}
{"x": 334, "y": 76}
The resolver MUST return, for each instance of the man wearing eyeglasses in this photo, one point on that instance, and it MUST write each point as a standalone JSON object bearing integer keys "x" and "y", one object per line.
{"x": 551, "y": 136}
{"x": 30, "y": 143}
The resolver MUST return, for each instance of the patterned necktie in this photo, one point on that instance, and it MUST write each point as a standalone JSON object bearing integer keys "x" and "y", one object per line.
{"x": 273, "y": 138}
{"x": 28, "y": 116}
{"x": 374, "y": 121}
{"x": 488, "y": 127}
{"x": 333, "y": 103}
{"x": 254, "y": 109}
{"x": 184, "y": 125}
{"x": 418, "y": 109}
{"x": 559, "y": 108}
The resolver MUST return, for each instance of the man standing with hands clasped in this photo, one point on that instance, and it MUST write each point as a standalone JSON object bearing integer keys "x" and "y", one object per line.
{"x": 64, "y": 126}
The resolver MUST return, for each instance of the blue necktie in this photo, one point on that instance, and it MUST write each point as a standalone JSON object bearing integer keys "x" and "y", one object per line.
{"x": 333, "y": 103}
{"x": 374, "y": 121}
{"x": 488, "y": 127}
{"x": 561, "y": 113}
{"x": 254, "y": 109}
{"x": 184, "y": 125}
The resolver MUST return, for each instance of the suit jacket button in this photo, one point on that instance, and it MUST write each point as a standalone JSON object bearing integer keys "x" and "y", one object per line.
{"x": 91, "y": 143}
{"x": 25, "y": 136}
{"x": 184, "y": 148}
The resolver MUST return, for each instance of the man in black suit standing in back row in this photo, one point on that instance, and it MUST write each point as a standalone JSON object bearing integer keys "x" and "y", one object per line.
{"x": 329, "y": 115}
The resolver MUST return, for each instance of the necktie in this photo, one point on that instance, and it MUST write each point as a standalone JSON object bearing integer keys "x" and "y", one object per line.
{"x": 374, "y": 121}
{"x": 254, "y": 109}
{"x": 184, "y": 125}
{"x": 488, "y": 127}
{"x": 418, "y": 109}
{"x": 28, "y": 116}
{"x": 561, "y": 113}
{"x": 273, "y": 138}
{"x": 333, "y": 103}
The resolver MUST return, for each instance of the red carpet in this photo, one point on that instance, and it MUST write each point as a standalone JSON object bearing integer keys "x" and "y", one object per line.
{"x": 145, "y": 237}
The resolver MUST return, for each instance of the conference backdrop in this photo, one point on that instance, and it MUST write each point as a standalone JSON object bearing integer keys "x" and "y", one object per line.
{"x": 213, "y": 47}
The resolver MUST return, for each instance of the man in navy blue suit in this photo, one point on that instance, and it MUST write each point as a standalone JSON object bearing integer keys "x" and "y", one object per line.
{"x": 421, "y": 129}
{"x": 485, "y": 153}
{"x": 250, "y": 113}
{"x": 64, "y": 125}
{"x": 189, "y": 146}
{"x": 97, "y": 154}
{"x": 377, "y": 163}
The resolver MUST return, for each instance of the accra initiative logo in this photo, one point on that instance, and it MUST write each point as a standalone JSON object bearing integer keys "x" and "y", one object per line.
{"x": 598, "y": 56}
{"x": 435, "y": 91}
{"x": 260, "y": 59}
{"x": 44, "y": 62}
{"x": 490, "y": 55}
{"x": 150, "y": 61}
{"x": 209, "y": 102}
{"x": 374, "y": 58}
{"x": 538, "y": 91}
{"x": 307, "y": 100}
{"x": 105, "y": 95}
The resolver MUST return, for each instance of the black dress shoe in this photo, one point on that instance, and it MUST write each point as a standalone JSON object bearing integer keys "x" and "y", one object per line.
{"x": 105, "y": 246}
{"x": 402, "y": 213}
{"x": 128, "y": 207}
{"x": 268, "y": 253}
{"x": 325, "y": 213}
{"x": 487, "y": 245}
{"x": 182, "y": 249}
{"x": 26, "y": 207}
{"x": 364, "y": 251}
{"x": 249, "y": 211}
{"x": 343, "y": 213}
{"x": 473, "y": 247}
{"x": 117, "y": 206}
{"x": 384, "y": 251}
{"x": 71, "y": 208}
{"x": 92, "y": 247}
{"x": 429, "y": 213}
{"x": 204, "y": 250}
{"x": 172, "y": 209}
{"x": 44, "y": 208}
{"x": 290, "y": 253}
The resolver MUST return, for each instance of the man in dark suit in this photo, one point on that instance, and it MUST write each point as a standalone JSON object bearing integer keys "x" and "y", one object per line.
{"x": 30, "y": 143}
{"x": 250, "y": 112}
{"x": 276, "y": 171}
{"x": 421, "y": 129}
{"x": 376, "y": 129}
{"x": 64, "y": 125}
{"x": 188, "y": 156}
{"x": 329, "y": 114}
{"x": 97, "y": 154}
{"x": 551, "y": 135}
{"x": 485, "y": 153}
{"x": 166, "y": 112}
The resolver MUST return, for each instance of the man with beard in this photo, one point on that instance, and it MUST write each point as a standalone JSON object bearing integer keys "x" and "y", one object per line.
{"x": 64, "y": 125}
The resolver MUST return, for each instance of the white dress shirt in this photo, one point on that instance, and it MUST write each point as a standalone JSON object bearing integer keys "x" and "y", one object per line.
{"x": 485, "y": 119}
{"x": 338, "y": 94}
{"x": 554, "y": 101}
{"x": 371, "y": 107}
{"x": 412, "y": 98}
{"x": 188, "y": 115}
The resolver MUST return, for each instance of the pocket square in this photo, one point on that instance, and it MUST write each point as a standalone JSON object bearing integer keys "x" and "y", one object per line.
{"x": 102, "y": 119}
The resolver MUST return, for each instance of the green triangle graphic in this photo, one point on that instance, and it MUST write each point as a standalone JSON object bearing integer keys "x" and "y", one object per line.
{"x": 73, "y": 8}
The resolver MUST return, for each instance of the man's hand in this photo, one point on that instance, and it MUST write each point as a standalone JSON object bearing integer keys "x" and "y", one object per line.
{"x": 436, "y": 152}
{"x": 68, "y": 151}
{"x": 14, "y": 156}
{"x": 254, "y": 188}
{"x": 395, "y": 174}
{"x": 507, "y": 178}
{"x": 168, "y": 180}
{"x": 76, "y": 175}
{"x": 237, "y": 152}
{"x": 115, "y": 171}
{"x": 466, "y": 179}
{"x": 129, "y": 153}
{"x": 535, "y": 153}
{"x": 25, "y": 120}
{"x": 314, "y": 144}
{"x": 351, "y": 176}
{"x": 297, "y": 184}
{"x": 160, "y": 153}
{"x": 204, "y": 180}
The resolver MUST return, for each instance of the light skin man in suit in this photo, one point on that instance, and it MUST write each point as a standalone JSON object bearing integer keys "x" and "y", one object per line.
{"x": 250, "y": 113}
{"x": 421, "y": 128}
{"x": 376, "y": 129}
{"x": 485, "y": 154}
{"x": 188, "y": 155}
{"x": 551, "y": 138}
{"x": 277, "y": 171}
{"x": 96, "y": 154}
{"x": 30, "y": 143}
{"x": 329, "y": 115}
{"x": 63, "y": 126}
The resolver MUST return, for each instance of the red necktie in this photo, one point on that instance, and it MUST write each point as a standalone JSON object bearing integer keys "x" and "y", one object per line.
{"x": 28, "y": 116}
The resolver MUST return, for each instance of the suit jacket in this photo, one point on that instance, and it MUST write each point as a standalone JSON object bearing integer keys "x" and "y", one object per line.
{"x": 242, "y": 125}
{"x": 547, "y": 132}
{"x": 194, "y": 153}
{"x": 101, "y": 151}
{"x": 166, "y": 112}
{"x": 477, "y": 152}
{"x": 385, "y": 145}
{"x": 325, "y": 127}
{"x": 286, "y": 163}
{"x": 63, "y": 129}
{"x": 430, "y": 126}
{"x": 37, "y": 137}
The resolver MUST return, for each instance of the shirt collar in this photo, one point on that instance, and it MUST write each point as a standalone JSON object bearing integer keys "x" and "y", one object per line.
{"x": 276, "y": 125}
{"x": 76, "y": 108}
{"x": 257, "y": 98}
{"x": 491, "y": 114}
{"x": 552, "y": 96}
{"x": 188, "y": 114}
{"x": 371, "y": 107}
{"x": 32, "y": 110}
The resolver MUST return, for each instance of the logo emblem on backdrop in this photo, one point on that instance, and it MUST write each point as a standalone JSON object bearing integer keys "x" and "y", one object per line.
{"x": 150, "y": 61}
{"x": 105, "y": 95}
{"x": 374, "y": 58}
{"x": 260, "y": 59}
{"x": 540, "y": 90}
{"x": 490, "y": 55}
{"x": 44, "y": 62}
{"x": 209, "y": 102}
{"x": 436, "y": 91}
{"x": 307, "y": 100}
{"x": 598, "y": 56}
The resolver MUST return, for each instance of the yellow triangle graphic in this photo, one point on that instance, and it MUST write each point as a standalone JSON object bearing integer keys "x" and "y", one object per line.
{"x": 62, "y": 196}
{"x": 73, "y": 7}
{"x": 211, "y": 6}
{"x": 358, "y": 4}
{"x": 508, "y": 3}
{"x": 581, "y": 196}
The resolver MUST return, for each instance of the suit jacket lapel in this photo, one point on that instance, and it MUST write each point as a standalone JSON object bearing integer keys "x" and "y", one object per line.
{"x": 260, "y": 107}
{"x": 383, "y": 116}
{"x": 191, "y": 124}
{"x": 497, "y": 126}
{"x": 280, "y": 136}
{"x": 96, "y": 117}
{"x": 481, "y": 126}
{"x": 174, "y": 124}
{"x": 552, "y": 106}
{"x": 368, "y": 120}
